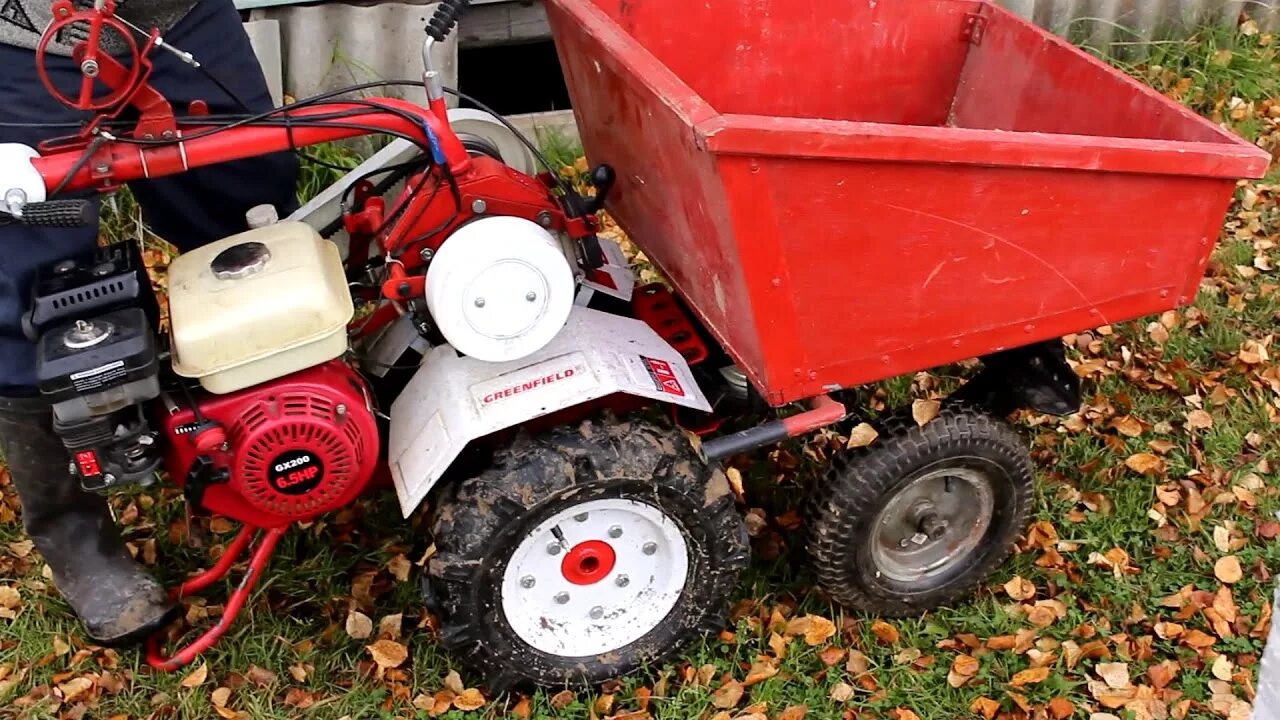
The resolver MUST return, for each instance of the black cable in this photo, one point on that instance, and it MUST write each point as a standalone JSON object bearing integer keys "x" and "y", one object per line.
{"x": 78, "y": 165}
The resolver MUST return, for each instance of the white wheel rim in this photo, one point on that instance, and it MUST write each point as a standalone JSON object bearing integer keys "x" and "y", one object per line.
{"x": 558, "y": 616}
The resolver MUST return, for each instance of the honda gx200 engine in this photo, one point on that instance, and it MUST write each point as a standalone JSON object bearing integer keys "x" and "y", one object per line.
{"x": 250, "y": 406}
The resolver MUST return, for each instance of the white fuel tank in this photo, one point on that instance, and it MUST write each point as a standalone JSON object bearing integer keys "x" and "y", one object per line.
{"x": 258, "y": 305}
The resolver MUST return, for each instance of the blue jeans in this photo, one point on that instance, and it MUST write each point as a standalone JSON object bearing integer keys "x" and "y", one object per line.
{"x": 188, "y": 210}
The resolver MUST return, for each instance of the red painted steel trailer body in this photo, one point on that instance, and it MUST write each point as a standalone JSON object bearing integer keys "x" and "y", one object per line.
{"x": 849, "y": 191}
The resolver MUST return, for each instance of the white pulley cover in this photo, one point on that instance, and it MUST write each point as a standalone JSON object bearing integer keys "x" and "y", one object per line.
{"x": 500, "y": 288}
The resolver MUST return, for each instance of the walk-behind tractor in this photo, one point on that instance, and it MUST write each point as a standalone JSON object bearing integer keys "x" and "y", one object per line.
{"x": 837, "y": 196}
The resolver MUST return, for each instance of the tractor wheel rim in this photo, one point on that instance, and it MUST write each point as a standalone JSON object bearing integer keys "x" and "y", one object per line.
{"x": 935, "y": 521}
{"x": 595, "y": 577}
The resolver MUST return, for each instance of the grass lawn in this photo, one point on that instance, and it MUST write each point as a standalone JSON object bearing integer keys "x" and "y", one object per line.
{"x": 1141, "y": 592}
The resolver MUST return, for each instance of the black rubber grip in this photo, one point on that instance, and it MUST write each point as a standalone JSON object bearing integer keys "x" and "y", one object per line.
{"x": 445, "y": 18}
{"x": 59, "y": 213}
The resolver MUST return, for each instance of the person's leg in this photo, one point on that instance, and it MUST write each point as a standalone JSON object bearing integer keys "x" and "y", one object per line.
{"x": 210, "y": 203}
{"x": 115, "y": 598}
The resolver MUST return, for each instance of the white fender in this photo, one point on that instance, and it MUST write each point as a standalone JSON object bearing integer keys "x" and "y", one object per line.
{"x": 453, "y": 399}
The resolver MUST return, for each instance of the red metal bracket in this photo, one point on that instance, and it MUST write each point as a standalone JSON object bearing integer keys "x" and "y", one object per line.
{"x": 657, "y": 307}
{"x": 975, "y": 27}
{"x": 126, "y": 83}
{"x": 261, "y": 556}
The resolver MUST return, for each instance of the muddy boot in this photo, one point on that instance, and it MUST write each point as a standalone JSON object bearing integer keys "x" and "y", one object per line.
{"x": 115, "y": 597}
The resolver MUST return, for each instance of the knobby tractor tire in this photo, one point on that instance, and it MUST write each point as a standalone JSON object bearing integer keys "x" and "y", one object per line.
{"x": 842, "y": 508}
{"x": 480, "y": 522}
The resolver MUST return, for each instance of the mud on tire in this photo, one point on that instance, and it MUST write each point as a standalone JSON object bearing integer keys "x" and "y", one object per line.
{"x": 484, "y": 524}
{"x": 850, "y": 512}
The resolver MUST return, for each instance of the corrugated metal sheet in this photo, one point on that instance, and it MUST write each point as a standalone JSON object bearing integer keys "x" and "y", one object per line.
{"x": 1118, "y": 24}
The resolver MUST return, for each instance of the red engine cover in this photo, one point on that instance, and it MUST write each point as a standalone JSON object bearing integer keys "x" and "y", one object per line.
{"x": 296, "y": 447}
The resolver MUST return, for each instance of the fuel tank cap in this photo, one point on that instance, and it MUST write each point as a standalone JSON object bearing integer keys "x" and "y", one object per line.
{"x": 240, "y": 261}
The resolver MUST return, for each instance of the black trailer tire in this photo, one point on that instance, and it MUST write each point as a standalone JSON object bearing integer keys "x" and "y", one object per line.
{"x": 859, "y": 514}
{"x": 485, "y": 524}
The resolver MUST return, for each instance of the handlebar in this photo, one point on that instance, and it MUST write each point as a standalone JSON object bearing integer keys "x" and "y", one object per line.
{"x": 57, "y": 214}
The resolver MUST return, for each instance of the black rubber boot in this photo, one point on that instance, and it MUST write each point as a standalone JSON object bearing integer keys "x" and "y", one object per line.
{"x": 116, "y": 599}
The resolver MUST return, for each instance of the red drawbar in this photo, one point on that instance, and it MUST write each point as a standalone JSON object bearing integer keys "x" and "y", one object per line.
{"x": 588, "y": 562}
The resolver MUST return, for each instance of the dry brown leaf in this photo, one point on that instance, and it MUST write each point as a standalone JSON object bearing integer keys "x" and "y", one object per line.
{"x": 298, "y": 672}
{"x": 1002, "y": 642}
{"x": 1168, "y": 630}
{"x": 1041, "y": 616}
{"x": 562, "y": 699}
{"x": 1061, "y": 708}
{"x": 903, "y": 714}
{"x": 75, "y": 688}
{"x": 1222, "y": 539}
{"x": 1199, "y": 420}
{"x": 359, "y": 626}
{"x": 1020, "y": 588}
{"x": 1144, "y": 463}
{"x": 885, "y": 632}
{"x": 862, "y": 436}
{"x": 260, "y": 676}
{"x": 963, "y": 668}
{"x": 388, "y": 653}
{"x": 841, "y": 692}
{"x": 728, "y": 696}
{"x": 760, "y": 671}
{"x": 735, "y": 482}
{"x": 399, "y": 567}
{"x": 1029, "y": 677}
{"x": 468, "y": 700}
{"x": 523, "y": 709}
{"x": 220, "y": 696}
{"x": 1227, "y": 569}
{"x": 1129, "y": 426}
{"x": 196, "y": 677}
{"x": 831, "y": 655}
{"x": 1222, "y": 668}
{"x": 924, "y": 411}
{"x": 60, "y": 646}
{"x": 795, "y": 712}
{"x": 10, "y": 598}
{"x": 453, "y": 683}
{"x": 778, "y": 645}
{"x": 1162, "y": 674}
{"x": 985, "y": 706}
{"x": 389, "y": 626}
{"x": 1116, "y": 675}
{"x": 817, "y": 629}
{"x": 1197, "y": 639}
{"x": 858, "y": 664}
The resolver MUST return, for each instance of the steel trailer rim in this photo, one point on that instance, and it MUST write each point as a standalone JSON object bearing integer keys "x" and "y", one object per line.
{"x": 936, "y": 521}
{"x": 595, "y": 577}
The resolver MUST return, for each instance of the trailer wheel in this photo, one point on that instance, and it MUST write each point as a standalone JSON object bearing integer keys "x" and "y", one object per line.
{"x": 584, "y": 554}
{"x": 920, "y": 517}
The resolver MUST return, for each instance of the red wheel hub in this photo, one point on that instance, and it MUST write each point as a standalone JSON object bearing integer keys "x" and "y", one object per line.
{"x": 588, "y": 562}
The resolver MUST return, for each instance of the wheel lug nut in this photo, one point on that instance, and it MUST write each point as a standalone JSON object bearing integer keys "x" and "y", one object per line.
{"x": 527, "y": 582}
{"x": 553, "y": 548}
{"x": 650, "y": 548}
{"x": 615, "y": 531}
{"x": 580, "y": 517}
{"x": 562, "y": 598}
{"x": 597, "y": 612}
{"x": 623, "y": 581}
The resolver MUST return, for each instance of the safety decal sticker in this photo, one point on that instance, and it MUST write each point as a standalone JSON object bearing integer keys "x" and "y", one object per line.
{"x": 664, "y": 376}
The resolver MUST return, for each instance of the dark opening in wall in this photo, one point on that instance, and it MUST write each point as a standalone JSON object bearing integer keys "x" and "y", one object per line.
{"x": 514, "y": 79}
